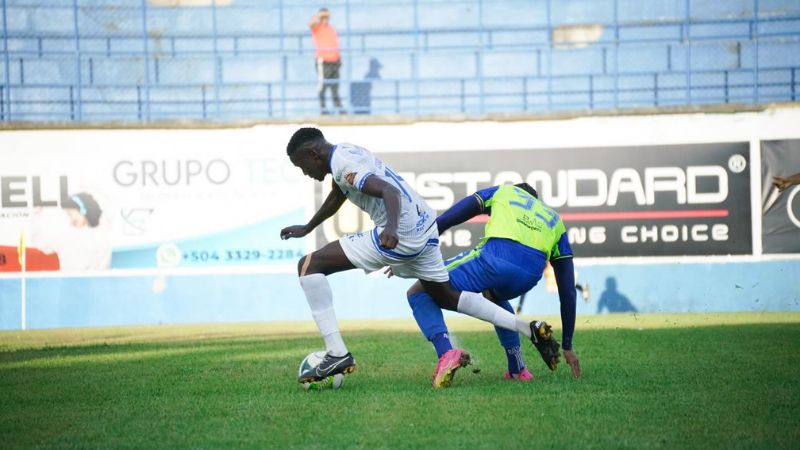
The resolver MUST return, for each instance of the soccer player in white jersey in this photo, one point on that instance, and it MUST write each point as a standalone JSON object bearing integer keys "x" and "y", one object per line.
{"x": 405, "y": 238}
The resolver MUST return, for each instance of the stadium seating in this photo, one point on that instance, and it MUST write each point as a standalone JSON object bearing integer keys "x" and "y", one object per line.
{"x": 90, "y": 61}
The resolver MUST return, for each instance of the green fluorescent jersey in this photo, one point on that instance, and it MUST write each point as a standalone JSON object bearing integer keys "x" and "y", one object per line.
{"x": 516, "y": 215}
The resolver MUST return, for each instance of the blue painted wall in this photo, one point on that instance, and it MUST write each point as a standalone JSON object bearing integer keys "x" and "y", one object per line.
{"x": 105, "y": 301}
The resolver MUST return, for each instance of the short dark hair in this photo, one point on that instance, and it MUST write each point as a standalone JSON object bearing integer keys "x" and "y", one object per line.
{"x": 528, "y": 188}
{"x": 86, "y": 205}
{"x": 301, "y": 137}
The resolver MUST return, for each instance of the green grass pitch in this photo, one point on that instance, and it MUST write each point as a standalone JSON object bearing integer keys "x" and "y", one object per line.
{"x": 668, "y": 381}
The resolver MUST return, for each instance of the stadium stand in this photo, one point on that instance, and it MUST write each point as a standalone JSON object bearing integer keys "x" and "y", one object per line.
{"x": 155, "y": 60}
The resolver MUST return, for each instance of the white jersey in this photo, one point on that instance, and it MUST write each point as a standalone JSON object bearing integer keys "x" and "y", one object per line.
{"x": 351, "y": 165}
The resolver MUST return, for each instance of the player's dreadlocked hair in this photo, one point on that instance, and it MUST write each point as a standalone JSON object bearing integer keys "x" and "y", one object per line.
{"x": 302, "y": 136}
{"x": 528, "y": 188}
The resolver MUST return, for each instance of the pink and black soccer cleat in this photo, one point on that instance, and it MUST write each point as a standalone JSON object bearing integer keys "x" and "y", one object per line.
{"x": 451, "y": 361}
{"x": 524, "y": 375}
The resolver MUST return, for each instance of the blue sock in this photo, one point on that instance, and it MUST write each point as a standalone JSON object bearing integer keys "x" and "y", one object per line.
{"x": 515, "y": 362}
{"x": 441, "y": 342}
{"x": 510, "y": 341}
{"x": 430, "y": 320}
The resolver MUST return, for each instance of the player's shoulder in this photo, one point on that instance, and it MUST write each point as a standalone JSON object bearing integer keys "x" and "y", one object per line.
{"x": 350, "y": 152}
{"x": 349, "y": 155}
{"x": 349, "y": 158}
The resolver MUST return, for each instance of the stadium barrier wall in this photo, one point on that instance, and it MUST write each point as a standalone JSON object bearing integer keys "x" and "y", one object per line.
{"x": 667, "y": 213}
{"x": 173, "y": 299}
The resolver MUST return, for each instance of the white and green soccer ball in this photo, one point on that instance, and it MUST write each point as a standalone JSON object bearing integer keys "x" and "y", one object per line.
{"x": 312, "y": 360}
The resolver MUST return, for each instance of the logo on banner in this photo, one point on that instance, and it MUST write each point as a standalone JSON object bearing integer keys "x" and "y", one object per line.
{"x": 135, "y": 221}
{"x": 691, "y": 199}
{"x": 145, "y": 173}
{"x": 34, "y": 191}
{"x": 168, "y": 255}
{"x": 642, "y": 200}
{"x": 594, "y": 187}
{"x": 737, "y": 163}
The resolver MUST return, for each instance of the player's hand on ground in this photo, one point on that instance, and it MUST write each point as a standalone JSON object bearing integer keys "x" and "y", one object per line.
{"x": 574, "y": 363}
{"x": 388, "y": 238}
{"x": 294, "y": 231}
{"x": 389, "y": 272}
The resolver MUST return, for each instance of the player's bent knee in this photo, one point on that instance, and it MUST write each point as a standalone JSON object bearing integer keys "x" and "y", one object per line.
{"x": 415, "y": 288}
{"x": 442, "y": 292}
{"x": 303, "y": 265}
{"x": 444, "y": 295}
{"x": 449, "y": 300}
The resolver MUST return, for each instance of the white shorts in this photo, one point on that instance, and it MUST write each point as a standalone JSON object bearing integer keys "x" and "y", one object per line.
{"x": 421, "y": 259}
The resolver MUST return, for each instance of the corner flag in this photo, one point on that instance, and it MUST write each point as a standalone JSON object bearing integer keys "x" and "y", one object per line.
{"x": 21, "y": 249}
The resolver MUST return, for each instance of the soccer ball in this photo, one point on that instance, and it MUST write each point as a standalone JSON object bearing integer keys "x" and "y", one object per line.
{"x": 312, "y": 360}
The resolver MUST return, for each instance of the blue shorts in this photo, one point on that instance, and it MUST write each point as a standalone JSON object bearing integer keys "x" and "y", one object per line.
{"x": 506, "y": 268}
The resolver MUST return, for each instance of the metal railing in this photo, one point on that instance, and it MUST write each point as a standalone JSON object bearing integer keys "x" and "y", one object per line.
{"x": 400, "y": 97}
{"x": 82, "y": 63}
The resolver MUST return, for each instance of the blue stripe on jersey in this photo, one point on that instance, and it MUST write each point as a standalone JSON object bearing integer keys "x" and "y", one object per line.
{"x": 330, "y": 157}
{"x": 388, "y": 172}
{"x": 376, "y": 241}
{"x": 486, "y": 194}
{"x": 363, "y": 180}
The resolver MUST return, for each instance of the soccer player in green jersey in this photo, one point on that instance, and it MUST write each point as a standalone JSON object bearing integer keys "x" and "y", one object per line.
{"x": 521, "y": 236}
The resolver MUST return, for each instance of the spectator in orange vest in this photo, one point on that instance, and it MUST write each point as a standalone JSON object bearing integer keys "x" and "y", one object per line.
{"x": 328, "y": 58}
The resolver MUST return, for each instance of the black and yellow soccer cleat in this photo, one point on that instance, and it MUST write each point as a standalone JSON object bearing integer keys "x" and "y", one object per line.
{"x": 330, "y": 365}
{"x": 542, "y": 338}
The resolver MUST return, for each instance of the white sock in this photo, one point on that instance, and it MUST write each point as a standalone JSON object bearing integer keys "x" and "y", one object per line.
{"x": 476, "y": 305}
{"x": 522, "y": 326}
{"x": 320, "y": 299}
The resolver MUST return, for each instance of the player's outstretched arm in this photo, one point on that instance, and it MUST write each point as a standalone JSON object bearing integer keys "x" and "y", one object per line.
{"x": 377, "y": 187}
{"x": 460, "y": 212}
{"x": 565, "y": 279}
{"x": 329, "y": 207}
